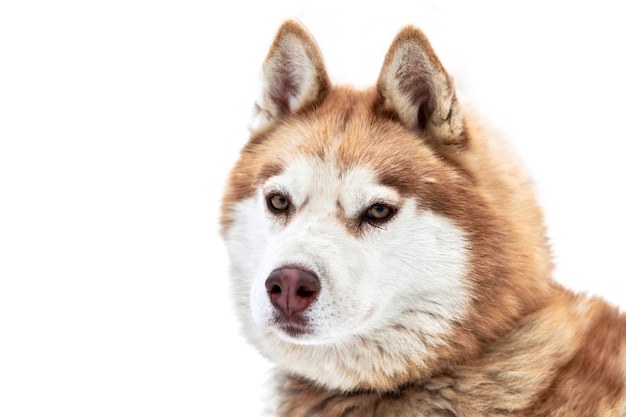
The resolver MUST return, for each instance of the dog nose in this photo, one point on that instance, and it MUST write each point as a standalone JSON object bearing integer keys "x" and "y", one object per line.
{"x": 291, "y": 290}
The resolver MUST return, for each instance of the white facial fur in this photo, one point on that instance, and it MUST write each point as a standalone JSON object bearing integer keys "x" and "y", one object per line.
{"x": 369, "y": 278}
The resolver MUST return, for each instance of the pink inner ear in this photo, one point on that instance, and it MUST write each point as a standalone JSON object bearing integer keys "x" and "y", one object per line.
{"x": 293, "y": 76}
{"x": 287, "y": 79}
{"x": 414, "y": 82}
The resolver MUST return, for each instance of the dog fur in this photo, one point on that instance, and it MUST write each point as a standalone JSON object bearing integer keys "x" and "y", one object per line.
{"x": 424, "y": 252}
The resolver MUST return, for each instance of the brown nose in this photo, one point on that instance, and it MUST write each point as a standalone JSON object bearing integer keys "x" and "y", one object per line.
{"x": 292, "y": 290}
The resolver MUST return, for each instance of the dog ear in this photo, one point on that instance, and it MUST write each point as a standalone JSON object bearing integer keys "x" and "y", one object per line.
{"x": 293, "y": 76}
{"x": 414, "y": 85}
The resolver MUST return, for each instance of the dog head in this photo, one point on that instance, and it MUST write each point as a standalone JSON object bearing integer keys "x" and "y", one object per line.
{"x": 372, "y": 238}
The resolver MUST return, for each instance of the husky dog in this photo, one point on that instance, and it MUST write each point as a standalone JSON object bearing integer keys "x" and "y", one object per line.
{"x": 389, "y": 255}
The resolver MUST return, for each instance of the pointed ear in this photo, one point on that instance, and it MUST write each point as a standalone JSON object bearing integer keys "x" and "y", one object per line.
{"x": 414, "y": 85}
{"x": 293, "y": 76}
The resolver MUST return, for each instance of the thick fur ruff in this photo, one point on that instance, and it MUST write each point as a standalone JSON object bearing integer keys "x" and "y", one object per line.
{"x": 389, "y": 255}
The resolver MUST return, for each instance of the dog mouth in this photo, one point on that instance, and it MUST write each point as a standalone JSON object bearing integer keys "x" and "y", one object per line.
{"x": 300, "y": 329}
{"x": 295, "y": 326}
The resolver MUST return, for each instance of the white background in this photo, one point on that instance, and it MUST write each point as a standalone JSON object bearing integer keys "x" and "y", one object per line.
{"x": 120, "y": 119}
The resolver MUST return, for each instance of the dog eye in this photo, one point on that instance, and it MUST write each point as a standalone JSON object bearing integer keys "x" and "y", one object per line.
{"x": 277, "y": 203}
{"x": 379, "y": 213}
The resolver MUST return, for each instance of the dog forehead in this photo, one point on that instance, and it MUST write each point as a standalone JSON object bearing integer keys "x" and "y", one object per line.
{"x": 347, "y": 141}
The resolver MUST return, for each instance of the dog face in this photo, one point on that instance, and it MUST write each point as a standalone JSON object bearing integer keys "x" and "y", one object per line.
{"x": 362, "y": 243}
{"x": 333, "y": 252}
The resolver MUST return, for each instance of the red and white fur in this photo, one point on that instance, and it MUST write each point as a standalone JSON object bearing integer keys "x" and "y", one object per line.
{"x": 389, "y": 255}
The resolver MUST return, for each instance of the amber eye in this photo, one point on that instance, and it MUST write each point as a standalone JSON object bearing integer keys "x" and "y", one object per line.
{"x": 379, "y": 212}
{"x": 277, "y": 202}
